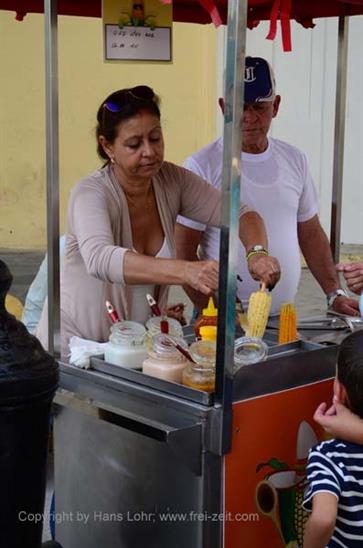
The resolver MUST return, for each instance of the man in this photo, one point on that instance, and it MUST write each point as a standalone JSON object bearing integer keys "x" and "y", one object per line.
{"x": 275, "y": 182}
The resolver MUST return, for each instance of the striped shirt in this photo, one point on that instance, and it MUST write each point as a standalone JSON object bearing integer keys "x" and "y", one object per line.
{"x": 336, "y": 467}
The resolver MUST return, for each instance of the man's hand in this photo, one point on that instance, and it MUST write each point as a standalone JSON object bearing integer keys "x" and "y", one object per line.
{"x": 353, "y": 274}
{"x": 346, "y": 305}
{"x": 264, "y": 269}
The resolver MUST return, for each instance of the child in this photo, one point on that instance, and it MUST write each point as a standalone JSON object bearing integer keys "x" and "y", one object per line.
{"x": 335, "y": 467}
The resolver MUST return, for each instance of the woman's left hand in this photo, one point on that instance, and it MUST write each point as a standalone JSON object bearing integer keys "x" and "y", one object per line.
{"x": 265, "y": 269}
{"x": 176, "y": 311}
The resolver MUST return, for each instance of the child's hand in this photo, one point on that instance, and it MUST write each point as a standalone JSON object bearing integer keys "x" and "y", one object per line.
{"x": 323, "y": 411}
{"x": 339, "y": 422}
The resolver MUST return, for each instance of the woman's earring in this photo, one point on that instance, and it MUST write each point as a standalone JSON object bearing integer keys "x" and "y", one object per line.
{"x": 112, "y": 160}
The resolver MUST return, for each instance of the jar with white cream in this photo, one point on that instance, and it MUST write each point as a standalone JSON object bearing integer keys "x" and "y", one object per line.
{"x": 165, "y": 361}
{"x": 126, "y": 346}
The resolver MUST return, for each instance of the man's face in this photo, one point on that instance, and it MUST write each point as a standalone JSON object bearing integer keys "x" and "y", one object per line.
{"x": 256, "y": 118}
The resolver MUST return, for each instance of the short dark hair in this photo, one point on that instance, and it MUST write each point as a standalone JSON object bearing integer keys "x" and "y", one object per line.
{"x": 350, "y": 370}
{"x": 130, "y": 102}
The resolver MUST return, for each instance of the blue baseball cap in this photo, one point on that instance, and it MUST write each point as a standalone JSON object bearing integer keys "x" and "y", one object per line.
{"x": 259, "y": 80}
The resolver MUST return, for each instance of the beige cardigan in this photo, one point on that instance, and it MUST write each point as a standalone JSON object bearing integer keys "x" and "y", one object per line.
{"x": 98, "y": 236}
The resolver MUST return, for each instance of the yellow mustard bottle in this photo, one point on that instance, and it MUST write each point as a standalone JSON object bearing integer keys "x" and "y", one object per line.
{"x": 209, "y": 316}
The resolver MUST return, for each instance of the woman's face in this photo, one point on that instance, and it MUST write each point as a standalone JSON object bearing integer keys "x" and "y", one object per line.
{"x": 138, "y": 149}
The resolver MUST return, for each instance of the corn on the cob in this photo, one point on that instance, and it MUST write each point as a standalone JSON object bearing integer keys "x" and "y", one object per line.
{"x": 259, "y": 305}
{"x": 287, "y": 324}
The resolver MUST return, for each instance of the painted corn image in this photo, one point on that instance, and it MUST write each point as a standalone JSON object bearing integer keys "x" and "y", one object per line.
{"x": 280, "y": 494}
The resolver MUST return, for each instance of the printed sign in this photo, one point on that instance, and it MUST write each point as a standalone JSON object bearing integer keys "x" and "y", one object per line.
{"x": 137, "y": 30}
{"x": 265, "y": 472}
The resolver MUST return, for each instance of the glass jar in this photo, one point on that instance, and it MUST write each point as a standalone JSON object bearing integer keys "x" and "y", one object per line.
{"x": 153, "y": 328}
{"x": 248, "y": 350}
{"x": 126, "y": 345}
{"x": 202, "y": 374}
{"x": 165, "y": 361}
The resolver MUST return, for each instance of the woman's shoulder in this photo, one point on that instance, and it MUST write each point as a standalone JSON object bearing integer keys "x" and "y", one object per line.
{"x": 174, "y": 175}
{"x": 94, "y": 181}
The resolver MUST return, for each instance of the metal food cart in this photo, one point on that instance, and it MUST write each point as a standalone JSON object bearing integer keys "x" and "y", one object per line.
{"x": 138, "y": 459}
{"x": 142, "y": 461}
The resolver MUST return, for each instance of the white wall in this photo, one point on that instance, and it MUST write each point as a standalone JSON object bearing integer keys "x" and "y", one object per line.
{"x": 306, "y": 79}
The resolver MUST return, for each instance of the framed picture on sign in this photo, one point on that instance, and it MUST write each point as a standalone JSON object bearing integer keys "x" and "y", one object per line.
{"x": 139, "y": 30}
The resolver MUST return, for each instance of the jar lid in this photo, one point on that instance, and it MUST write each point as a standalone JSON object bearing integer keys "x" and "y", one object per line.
{"x": 204, "y": 353}
{"x": 163, "y": 344}
{"x": 249, "y": 350}
{"x": 127, "y": 332}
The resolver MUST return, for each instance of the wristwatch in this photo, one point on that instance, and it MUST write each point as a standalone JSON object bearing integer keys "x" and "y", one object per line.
{"x": 333, "y": 295}
{"x": 257, "y": 249}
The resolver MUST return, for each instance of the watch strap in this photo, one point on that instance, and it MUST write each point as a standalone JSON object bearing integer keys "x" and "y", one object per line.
{"x": 254, "y": 251}
{"x": 334, "y": 294}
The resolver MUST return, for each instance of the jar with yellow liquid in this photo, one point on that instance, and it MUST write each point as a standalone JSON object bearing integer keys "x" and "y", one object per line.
{"x": 201, "y": 375}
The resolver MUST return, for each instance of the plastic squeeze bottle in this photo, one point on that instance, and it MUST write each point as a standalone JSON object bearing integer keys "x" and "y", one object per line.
{"x": 209, "y": 316}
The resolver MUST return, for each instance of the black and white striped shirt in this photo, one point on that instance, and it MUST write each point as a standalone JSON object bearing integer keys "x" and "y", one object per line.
{"x": 336, "y": 467}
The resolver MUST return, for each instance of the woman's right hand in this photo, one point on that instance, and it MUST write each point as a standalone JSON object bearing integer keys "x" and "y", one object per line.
{"x": 202, "y": 275}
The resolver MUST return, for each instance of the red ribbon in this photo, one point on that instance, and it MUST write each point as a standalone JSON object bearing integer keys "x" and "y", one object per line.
{"x": 282, "y": 8}
{"x": 273, "y": 20}
{"x": 286, "y": 24}
{"x": 19, "y": 16}
{"x": 209, "y": 6}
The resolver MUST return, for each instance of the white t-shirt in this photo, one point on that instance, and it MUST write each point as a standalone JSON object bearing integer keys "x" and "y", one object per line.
{"x": 278, "y": 185}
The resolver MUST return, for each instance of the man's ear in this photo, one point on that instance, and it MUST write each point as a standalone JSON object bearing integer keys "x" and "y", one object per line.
{"x": 276, "y": 105}
{"x": 340, "y": 392}
{"x": 221, "y": 104}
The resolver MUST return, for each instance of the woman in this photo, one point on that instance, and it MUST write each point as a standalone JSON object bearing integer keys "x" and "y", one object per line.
{"x": 121, "y": 219}
{"x": 353, "y": 274}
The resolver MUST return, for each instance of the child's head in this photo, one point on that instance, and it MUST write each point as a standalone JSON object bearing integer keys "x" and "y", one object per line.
{"x": 349, "y": 387}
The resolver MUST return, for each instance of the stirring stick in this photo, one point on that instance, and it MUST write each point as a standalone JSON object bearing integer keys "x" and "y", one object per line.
{"x": 182, "y": 350}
